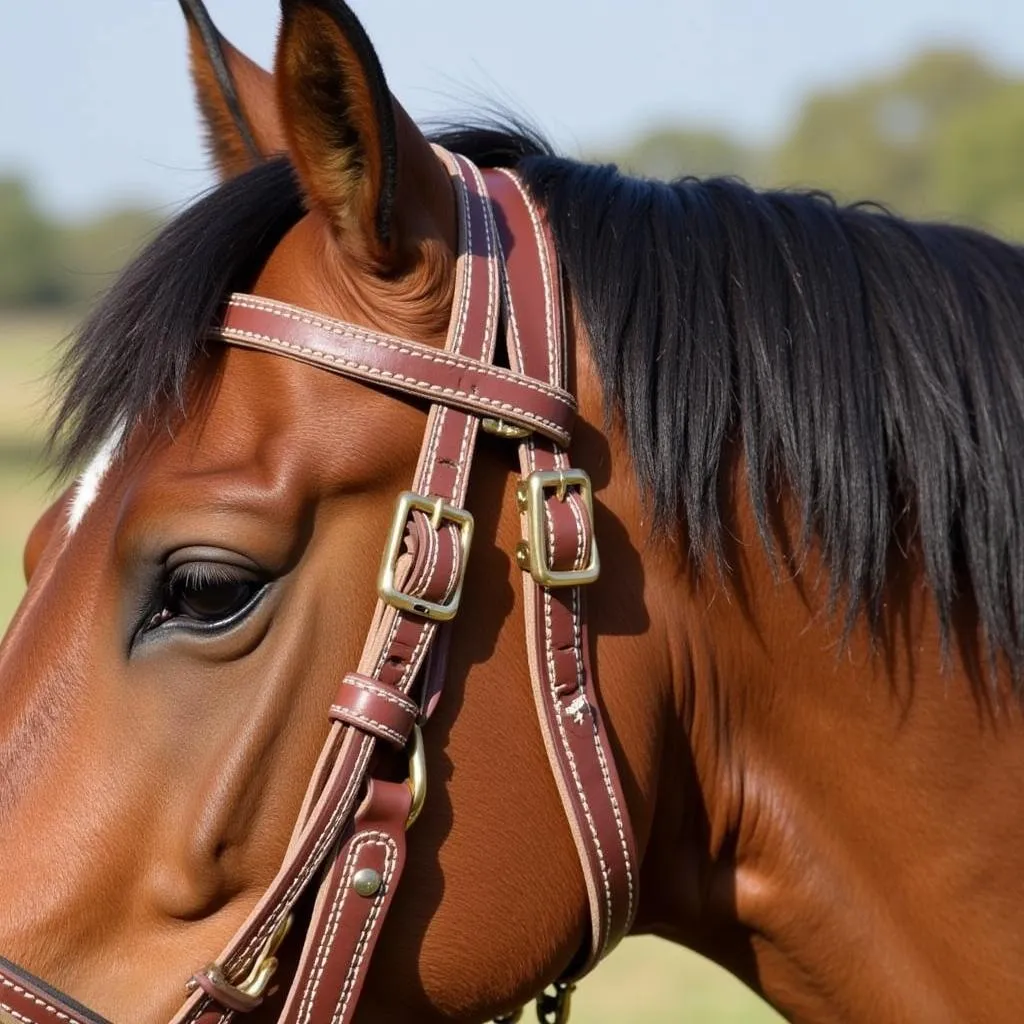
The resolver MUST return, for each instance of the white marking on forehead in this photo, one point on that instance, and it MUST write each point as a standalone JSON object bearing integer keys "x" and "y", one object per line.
{"x": 88, "y": 485}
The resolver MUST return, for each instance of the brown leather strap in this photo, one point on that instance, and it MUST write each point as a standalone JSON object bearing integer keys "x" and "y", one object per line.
{"x": 351, "y": 909}
{"x": 381, "y": 710}
{"x": 406, "y": 366}
{"x": 362, "y": 853}
{"x": 28, "y": 1001}
{"x": 560, "y": 669}
{"x": 444, "y": 464}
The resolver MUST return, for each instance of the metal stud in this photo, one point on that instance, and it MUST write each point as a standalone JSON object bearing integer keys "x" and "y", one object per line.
{"x": 523, "y": 555}
{"x": 367, "y": 882}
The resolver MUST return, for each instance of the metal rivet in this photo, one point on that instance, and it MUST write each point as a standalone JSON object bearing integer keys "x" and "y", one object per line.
{"x": 367, "y": 882}
{"x": 523, "y": 555}
{"x": 522, "y": 496}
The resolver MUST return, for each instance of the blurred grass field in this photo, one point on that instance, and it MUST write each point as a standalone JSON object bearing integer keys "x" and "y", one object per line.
{"x": 646, "y": 981}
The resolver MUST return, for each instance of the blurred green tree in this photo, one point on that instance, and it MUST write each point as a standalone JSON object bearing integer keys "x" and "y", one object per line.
{"x": 29, "y": 274}
{"x": 979, "y": 162}
{"x": 92, "y": 252}
{"x": 668, "y": 152}
{"x": 46, "y": 263}
{"x": 893, "y": 138}
{"x": 940, "y": 137}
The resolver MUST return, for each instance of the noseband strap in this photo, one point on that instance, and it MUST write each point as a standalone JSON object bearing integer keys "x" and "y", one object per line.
{"x": 350, "y": 834}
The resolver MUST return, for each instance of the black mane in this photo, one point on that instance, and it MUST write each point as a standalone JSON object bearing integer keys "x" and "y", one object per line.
{"x": 873, "y": 364}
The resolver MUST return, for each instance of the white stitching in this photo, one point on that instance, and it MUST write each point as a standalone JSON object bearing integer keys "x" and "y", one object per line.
{"x": 451, "y": 358}
{"x": 345, "y": 714}
{"x": 427, "y": 386}
{"x": 435, "y": 554}
{"x": 566, "y": 746}
{"x": 581, "y": 535}
{"x": 354, "y": 968}
{"x": 342, "y": 893}
{"x": 563, "y": 462}
{"x": 545, "y": 271}
{"x": 427, "y": 629}
{"x": 327, "y": 836}
{"x": 14, "y": 1013}
{"x": 493, "y": 280}
{"x": 490, "y": 328}
{"x": 619, "y": 826}
{"x": 32, "y": 997}
{"x": 392, "y": 698}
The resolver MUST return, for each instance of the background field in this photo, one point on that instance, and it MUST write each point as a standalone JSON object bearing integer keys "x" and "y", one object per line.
{"x": 646, "y": 981}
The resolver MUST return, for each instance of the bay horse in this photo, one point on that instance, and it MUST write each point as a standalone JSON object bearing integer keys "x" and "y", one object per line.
{"x": 802, "y": 424}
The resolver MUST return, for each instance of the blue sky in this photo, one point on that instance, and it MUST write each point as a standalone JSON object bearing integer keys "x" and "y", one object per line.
{"x": 95, "y": 103}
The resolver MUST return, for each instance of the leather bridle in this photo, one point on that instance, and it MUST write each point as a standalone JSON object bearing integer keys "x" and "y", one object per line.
{"x": 350, "y": 833}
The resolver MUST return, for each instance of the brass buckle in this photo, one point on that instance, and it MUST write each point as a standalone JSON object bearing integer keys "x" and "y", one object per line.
{"x": 417, "y": 781}
{"x": 440, "y": 512}
{"x": 263, "y": 970}
{"x": 532, "y": 554}
{"x": 501, "y": 428}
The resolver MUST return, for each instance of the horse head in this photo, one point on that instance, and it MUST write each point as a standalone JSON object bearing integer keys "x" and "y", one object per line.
{"x": 196, "y": 597}
{"x": 794, "y": 446}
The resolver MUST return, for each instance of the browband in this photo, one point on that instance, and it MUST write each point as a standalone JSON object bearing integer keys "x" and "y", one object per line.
{"x": 453, "y": 378}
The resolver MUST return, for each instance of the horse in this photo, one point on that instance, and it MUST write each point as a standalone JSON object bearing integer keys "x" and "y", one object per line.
{"x": 799, "y": 422}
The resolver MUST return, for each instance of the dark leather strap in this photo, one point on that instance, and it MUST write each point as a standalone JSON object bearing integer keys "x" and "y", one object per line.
{"x": 414, "y": 369}
{"x": 26, "y": 1000}
{"x": 563, "y": 681}
{"x": 376, "y": 707}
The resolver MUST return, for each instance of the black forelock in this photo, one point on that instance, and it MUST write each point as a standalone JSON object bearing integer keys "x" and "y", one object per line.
{"x": 133, "y": 355}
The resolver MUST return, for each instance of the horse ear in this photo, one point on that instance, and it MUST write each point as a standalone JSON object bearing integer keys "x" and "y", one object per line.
{"x": 235, "y": 96}
{"x": 361, "y": 160}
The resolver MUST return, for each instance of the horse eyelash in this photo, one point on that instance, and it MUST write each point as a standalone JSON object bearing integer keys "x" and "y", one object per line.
{"x": 203, "y": 574}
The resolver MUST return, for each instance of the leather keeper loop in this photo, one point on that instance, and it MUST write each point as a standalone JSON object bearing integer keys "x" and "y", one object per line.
{"x": 375, "y": 707}
{"x": 213, "y": 983}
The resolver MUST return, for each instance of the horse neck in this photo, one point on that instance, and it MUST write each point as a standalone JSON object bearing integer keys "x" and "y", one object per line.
{"x": 831, "y": 796}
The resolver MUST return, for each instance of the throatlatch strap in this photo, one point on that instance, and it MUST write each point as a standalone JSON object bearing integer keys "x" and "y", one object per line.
{"x": 563, "y": 682}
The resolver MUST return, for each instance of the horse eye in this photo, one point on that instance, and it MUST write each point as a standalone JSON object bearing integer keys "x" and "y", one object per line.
{"x": 206, "y": 593}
